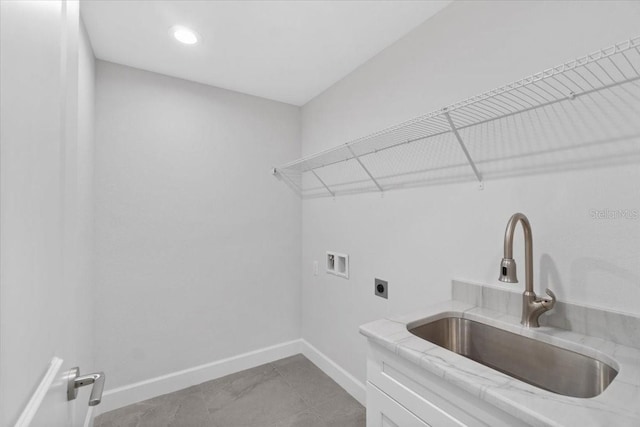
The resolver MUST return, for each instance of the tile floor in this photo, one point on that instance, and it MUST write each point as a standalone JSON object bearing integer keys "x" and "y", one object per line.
{"x": 291, "y": 392}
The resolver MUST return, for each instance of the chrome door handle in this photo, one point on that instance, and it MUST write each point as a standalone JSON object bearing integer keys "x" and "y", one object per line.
{"x": 76, "y": 381}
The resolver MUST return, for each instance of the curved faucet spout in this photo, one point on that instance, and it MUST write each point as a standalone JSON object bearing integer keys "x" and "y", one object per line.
{"x": 532, "y": 306}
{"x": 528, "y": 246}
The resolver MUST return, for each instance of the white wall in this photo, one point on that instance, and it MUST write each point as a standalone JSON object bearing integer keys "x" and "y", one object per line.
{"x": 420, "y": 239}
{"x": 197, "y": 245}
{"x": 46, "y": 134}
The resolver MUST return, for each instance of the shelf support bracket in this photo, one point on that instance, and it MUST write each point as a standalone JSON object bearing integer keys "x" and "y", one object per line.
{"x": 283, "y": 176}
{"x": 464, "y": 149}
{"x": 322, "y": 182}
{"x": 365, "y": 169}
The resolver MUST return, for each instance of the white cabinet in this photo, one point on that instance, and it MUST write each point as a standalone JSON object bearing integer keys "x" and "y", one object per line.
{"x": 401, "y": 393}
{"x": 383, "y": 411}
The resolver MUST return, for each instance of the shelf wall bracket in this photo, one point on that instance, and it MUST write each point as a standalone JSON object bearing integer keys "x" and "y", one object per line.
{"x": 322, "y": 182}
{"x": 365, "y": 169}
{"x": 464, "y": 149}
{"x": 295, "y": 187}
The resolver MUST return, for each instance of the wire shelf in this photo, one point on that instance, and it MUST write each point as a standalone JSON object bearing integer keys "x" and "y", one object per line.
{"x": 583, "y": 113}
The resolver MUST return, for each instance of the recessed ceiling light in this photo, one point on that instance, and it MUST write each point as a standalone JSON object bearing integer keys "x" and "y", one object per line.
{"x": 184, "y": 34}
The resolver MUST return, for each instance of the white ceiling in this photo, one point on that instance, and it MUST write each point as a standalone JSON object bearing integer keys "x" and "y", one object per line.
{"x": 289, "y": 51}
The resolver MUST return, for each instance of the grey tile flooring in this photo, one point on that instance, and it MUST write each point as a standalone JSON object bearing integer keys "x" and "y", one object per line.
{"x": 290, "y": 392}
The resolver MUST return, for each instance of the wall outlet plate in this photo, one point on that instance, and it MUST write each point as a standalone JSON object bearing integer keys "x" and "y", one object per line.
{"x": 381, "y": 288}
{"x": 338, "y": 264}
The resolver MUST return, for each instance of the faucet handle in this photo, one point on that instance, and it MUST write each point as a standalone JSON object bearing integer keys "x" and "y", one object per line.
{"x": 549, "y": 303}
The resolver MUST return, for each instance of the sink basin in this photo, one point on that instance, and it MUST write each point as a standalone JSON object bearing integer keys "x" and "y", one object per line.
{"x": 535, "y": 362}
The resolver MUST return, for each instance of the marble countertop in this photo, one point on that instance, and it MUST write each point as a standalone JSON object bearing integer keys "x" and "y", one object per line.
{"x": 618, "y": 405}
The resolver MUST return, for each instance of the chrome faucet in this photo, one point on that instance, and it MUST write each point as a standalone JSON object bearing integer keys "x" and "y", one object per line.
{"x": 532, "y": 306}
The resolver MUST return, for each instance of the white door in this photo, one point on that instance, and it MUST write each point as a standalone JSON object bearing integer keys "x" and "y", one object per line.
{"x": 45, "y": 300}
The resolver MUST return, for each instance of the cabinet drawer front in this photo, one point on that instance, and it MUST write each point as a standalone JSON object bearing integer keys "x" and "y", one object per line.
{"x": 430, "y": 397}
{"x": 386, "y": 412}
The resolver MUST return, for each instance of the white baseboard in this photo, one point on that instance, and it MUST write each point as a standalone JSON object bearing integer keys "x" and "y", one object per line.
{"x": 143, "y": 390}
{"x": 347, "y": 381}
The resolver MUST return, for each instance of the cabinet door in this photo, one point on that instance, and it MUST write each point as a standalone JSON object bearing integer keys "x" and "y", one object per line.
{"x": 383, "y": 411}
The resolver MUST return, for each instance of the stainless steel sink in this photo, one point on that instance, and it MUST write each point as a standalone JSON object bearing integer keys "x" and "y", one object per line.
{"x": 537, "y": 363}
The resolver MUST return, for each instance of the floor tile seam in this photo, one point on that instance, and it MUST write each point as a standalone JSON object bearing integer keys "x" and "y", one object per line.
{"x": 224, "y": 379}
{"x": 190, "y": 395}
{"x": 177, "y": 411}
{"x": 298, "y": 393}
{"x": 285, "y": 375}
{"x": 275, "y": 423}
{"x": 316, "y": 412}
{"x": 253, "y": 387}
{"x": 327, "y": 399}
{"x": 304, "y": 404}
{"x": 307, "y": 405}
{"x": 242, "y": 393}
{"x": 320, "y": 414}
{"x": 315, "y": 403}
{"x": 170, "y": 416}
{"x": 278, "y": 370}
